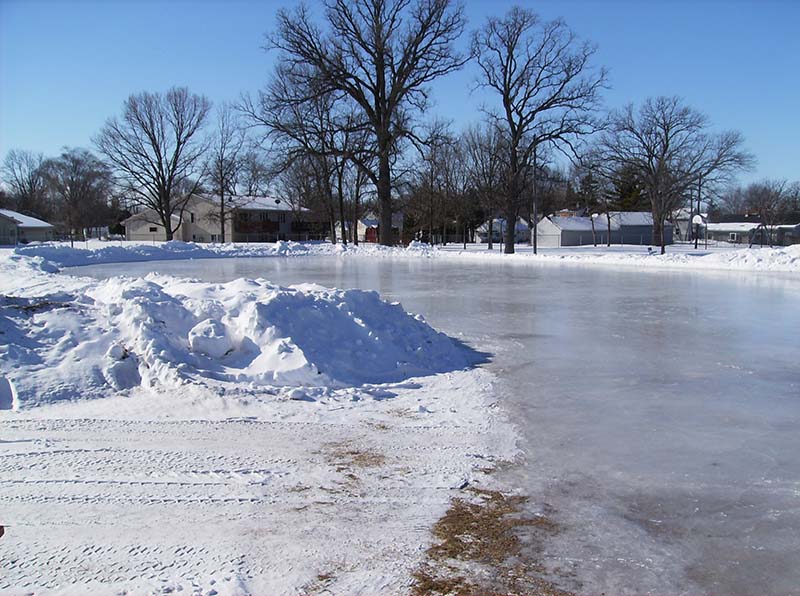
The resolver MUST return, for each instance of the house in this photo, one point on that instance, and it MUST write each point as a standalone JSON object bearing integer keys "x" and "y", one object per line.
{"x": 249, "y": 219}
{"x": 636, "y": 227}
{"x": 734, "y": 232}
{"x": 368, "y": 227}
{"x": 16, "y": 228}
{"x": 683, "y": 225}
{"x": 522, "y": 232}
{"x": 746, "y": 232}
{"x": 553, "y": 232}
{"x": 627, "y": 227}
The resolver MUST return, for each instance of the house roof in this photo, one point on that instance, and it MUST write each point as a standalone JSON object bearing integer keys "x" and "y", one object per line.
{"x": 499, "y": 224}
{"x": 734, "y": 226}
{"x": 255, "y": 203}
{"x": 370, "y": 220}
{"x": 632, "y": 218}
{"x": 24, "y": 221}
{"x": 582, "y": 224}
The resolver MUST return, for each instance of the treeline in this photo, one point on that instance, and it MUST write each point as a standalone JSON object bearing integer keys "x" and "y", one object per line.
{"x": 340, "y": 129}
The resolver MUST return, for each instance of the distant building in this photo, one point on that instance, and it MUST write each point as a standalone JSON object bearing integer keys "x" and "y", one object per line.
{"x": 745, "y": 232}
{"x": 522, "y": 232}
{"x": 16, "y": 228}
{"x": 627, "y": 227}
{"x": 250, "y": 219}
{"x": 368, "y": 228}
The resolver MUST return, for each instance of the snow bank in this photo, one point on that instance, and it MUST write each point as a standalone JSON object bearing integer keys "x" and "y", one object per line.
{"x": 61, "y": 255}
{"x": 785, "y": 259}
{"x": 69, "y": 339}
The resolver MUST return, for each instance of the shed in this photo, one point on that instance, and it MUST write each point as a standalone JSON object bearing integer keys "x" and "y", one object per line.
{"x": 553, "y": 232}
{"x": 18, "y": 228}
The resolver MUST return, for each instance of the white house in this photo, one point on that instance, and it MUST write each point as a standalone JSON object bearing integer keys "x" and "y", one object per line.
{"x": 522, "y": 232}
{"x": 16, "y": 228}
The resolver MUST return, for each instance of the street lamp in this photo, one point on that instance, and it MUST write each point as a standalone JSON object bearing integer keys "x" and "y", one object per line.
{"x": 594, "y": 237}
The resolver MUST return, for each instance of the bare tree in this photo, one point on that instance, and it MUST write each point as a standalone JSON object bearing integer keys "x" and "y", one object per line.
{"x": 669, "y": 147}
{"x": 770, "y": 199}
{"x": 224, "y": 164}
{"x": 381, "y": 55}
{"x": 254, "y": 173}
{"x": 81, "y": 185}
{"x": 548, "y": 90}
{"x": 486, "y": 154}
{"x": 315, "y": 128}
{"x": 155, "y": 148}
{"x": 22, "y": 173}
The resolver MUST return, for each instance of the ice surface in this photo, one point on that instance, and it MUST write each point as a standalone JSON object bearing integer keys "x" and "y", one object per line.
{"x": 659, "y": 409}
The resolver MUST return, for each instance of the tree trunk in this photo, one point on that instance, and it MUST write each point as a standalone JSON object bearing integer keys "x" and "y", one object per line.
{"x": 511, "y": 224}
{"x": 222, "y": 216}
{"x": 491, "y": 232}
{"x": 355, "y": 218}
{"x": 658, "y": 234}
{"x": 341, "y": 208}
{"x": 608, "y": 238}
{"x": 384, "y": 196}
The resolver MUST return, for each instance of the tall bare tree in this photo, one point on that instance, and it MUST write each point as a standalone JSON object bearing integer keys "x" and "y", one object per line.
{"x": 548, "y": 91}
{"x": 156, "y": 150}
{"x": 23, "y": 174}
{"x": 81, "y": 186}
{"x": 381, "y": 55}
{"x": 314, "y": 127}
{"x": 668, "y": 146}
{"x": 486, "y": 154}
{"x": 224, "y": 164}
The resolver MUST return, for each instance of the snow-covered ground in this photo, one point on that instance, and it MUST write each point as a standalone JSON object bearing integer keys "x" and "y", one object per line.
{"x": 167, "y": 434}
{"x": 163, "y": 434}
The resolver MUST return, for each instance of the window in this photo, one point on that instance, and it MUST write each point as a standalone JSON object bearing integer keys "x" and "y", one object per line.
{"x": 191, "y": 217}
{"x": 282, "y": 217}
{"x": 732, "y": 237}
{"x": 153, "y": 229}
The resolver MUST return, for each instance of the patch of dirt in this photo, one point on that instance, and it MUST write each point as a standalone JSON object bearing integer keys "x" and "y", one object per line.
{"x": 479, "y": 551}
{"x": 31, "y": 305}
{"x": 345, "y": 456}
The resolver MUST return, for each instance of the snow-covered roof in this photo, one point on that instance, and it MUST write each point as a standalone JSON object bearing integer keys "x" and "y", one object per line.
{"x": 583, "y": 224}
{"x": 263, "y": 203}
{"x": 24, "y": 221}
{"x": 742, "y": 226}
{"x": 370, "y": 220}
{"x": 500, "y": 224}
{"x": 632, "y": 218}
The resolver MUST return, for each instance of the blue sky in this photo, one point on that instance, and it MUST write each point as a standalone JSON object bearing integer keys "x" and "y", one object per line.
{"x": 67, "y": 66}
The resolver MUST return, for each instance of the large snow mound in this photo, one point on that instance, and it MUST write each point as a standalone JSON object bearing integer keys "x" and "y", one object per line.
{"x": 64, "y": 342}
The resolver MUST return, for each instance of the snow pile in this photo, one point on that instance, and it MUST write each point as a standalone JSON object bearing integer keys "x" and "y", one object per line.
{"x": 66, "y": 343}
{"x": 61, "y": 255}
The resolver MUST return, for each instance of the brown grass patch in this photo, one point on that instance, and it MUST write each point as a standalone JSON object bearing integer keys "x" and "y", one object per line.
{"x": 483, "y": 532}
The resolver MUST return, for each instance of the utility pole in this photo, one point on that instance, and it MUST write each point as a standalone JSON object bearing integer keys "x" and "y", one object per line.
{"x": 697, "y": 226}
{"x": 535, "y": 214}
